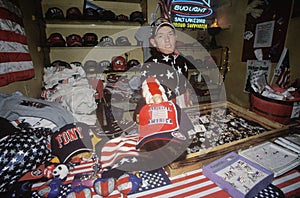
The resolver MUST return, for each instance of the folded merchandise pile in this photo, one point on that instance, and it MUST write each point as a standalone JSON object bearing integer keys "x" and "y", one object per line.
{"x": 67, "y": 84}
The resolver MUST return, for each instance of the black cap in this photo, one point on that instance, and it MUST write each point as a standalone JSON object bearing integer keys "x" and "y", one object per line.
{"x": 54, "y": 13}
{"x": 74, "y": 13}
{"x": 137, "y": 16}
{"x": 108, "y": 15}
{"x": 90, "y": 39}
{"x": 106, "y": 41}
{"x": 90, "y": 14}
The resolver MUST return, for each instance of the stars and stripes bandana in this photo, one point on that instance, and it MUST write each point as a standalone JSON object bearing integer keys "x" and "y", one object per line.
{"x": 22, "y": 152}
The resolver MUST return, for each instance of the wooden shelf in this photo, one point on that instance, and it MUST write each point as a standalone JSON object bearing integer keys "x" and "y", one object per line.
{"x": 82, "y": 54}
{"x": 91, "y": 24}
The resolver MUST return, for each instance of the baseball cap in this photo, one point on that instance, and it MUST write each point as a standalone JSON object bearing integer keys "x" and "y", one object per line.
{"x": 90, "y": 39}
{"x": 158, "y": 126}
{"x": 74, "y": 40}
{"x": 54, "y": 13}
{"x": 90, "y": 14}
{"x": 71, "y": 139}
{"x": 123, "y": 41}
{"x": 90, "y": 67}
{"x": 160, "y": 22}
{"x": 73, "y": 13}
{"x": 118, "y": 63}
{"x": 107, "y": 15}
{"x": 106, "y": 41}
{"x": 137, "y": 16}
{"x": 104, "y": 65}
{"x": 56, "y": 40}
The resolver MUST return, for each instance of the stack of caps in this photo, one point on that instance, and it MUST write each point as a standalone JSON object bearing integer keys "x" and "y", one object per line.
{"x": 74, "y": 13}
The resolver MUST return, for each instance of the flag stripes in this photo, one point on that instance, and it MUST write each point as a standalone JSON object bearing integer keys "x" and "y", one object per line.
{"x": 165, "y": 6}
{"x": 12, "y": 37}
{"x": 7, "y": 14}
{"x": 283, "y": 80}
{"x": 15, "y": 60}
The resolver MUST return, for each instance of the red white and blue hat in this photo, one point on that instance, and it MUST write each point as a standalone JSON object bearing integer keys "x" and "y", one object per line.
{"x": 80, "y": 192}
{"x": 104, "y": 186}
{"x": 158, "y": 123}
{"x": 128, "y": 183}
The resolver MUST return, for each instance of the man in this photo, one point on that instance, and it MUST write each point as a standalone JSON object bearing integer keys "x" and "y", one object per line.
{"x": 167, "y": 65}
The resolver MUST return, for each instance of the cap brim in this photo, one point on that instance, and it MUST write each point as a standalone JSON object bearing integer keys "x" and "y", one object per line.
{"x": 163, "y": 24}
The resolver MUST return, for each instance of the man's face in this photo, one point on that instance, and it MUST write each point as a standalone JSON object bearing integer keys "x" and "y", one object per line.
{"x": 164, "y": 40}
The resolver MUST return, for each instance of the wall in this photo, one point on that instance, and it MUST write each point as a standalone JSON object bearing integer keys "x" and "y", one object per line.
{"x": 34, "y": 30}
{"x": 232, "y": 17}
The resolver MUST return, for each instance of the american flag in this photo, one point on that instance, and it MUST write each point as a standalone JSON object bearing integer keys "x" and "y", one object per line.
{"x": 165, "y": 8}
{"x": 15, "y": 60}
{"x": 190, "y": 184}
{"x": 283, "y": 79}
{"x": 118, "y": 149}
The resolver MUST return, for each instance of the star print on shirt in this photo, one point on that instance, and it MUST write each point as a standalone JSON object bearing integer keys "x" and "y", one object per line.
{"x": 154, "y": 60}
{"x": 185, "y": 66}
{"x": 169, "y": 92}
{"x": 170, "y": 74}
{"x": 179, "y": 70}
{"x": 166, "y": 58}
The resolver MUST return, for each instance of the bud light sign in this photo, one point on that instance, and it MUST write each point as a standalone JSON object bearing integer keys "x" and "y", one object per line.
{"x": 190, "y": 14}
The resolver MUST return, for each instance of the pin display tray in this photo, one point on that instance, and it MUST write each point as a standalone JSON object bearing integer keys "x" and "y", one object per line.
{"x": 272, "y": 157}
{"x": 238, "y": 176}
